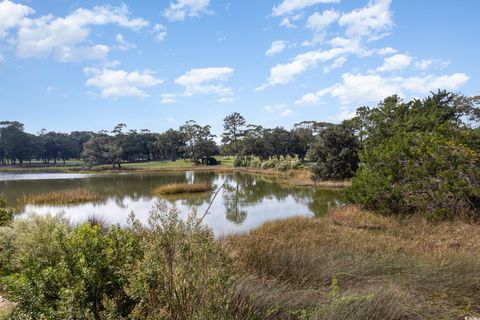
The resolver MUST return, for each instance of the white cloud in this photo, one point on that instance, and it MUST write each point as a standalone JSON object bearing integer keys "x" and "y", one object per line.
{"x": 226, "y": 100}
{"x": 276, "y": 47}
{"x": 282, "y": 109}
{"x": 119, "y": 83}
{"x": 319, "y": 21}
{"x": 360, "y": 88}
{"x": 51, "y": 89}
{"x": 205, "y": 81}
{"x": 75, "y": 54}
{"x": 11, "y": 14}
{"x": 337, "y": 63}
{"x": 168, "y": 98}
{"x": 289, "y": 6}
{"x": 181, "y": 9}
{"x": 65, "y": 37}
{"x": 160, "y": 32}
{"x": 369, "y": 21}
{"x": 286, "y": 23}
{"x": 285, "y": 73}
{"x": 387, "y": 50}
{"x": 123, "y": 44}
{"x": 396, "y": 62}
{"x": 424, "y": 64}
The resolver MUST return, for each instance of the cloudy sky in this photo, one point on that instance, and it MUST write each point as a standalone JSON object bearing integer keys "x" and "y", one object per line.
{"x": 71, "y": 65}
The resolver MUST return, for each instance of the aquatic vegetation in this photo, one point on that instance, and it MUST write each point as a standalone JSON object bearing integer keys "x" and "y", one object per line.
{"x": 61, "y": 197}
{"x": 355, "y": 264}
{"x": 179, "y": 188}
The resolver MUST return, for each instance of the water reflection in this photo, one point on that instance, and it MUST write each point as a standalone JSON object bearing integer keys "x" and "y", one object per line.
{"x": 244, "y": 202}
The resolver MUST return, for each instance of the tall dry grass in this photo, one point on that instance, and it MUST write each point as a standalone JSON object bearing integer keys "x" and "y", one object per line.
{"x": 178, "y": 188}
{"x": 73, "y": 196}
{"x": 353, "y": 264}
{"x": 303, "y": 177}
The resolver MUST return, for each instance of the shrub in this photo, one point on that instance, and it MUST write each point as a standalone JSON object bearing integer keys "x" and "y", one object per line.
{"x": 61, "y": 272}
{"x": 419, "y": 172}
{"x": 284, "y": 165}
{"x": 170, "y": 269}
{"x": 269, "y": 164}
{"x": 335, "y": 153}
{"x": 184, "y": 274}
{"x": 6, "y": 214}
{"x": 238, "y": 162}
{"x": 296, "y": 164}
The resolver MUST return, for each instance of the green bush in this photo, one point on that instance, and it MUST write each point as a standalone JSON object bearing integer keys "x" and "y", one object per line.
{"x": 170, "y": 269}
{"x": 419, "y": 172}
{"x": 6, "y": 214}
{"x": 268, "y": 164}
{"x": 239, "y": 161}
{"x": 296, "y": 164}
{"x": 184, "y": 274}
{"x": 335, "y": 152}
{"x": 283, "y": 165}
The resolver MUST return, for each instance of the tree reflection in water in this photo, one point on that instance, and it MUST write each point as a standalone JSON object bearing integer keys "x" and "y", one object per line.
{"x": 244, "y": 190}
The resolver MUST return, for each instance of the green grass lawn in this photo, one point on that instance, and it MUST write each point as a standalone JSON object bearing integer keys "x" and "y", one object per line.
{"x": 226, "y": 161}
{"x": 76, "y": 165}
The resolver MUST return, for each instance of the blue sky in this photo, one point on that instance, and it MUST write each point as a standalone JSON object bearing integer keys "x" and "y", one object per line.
{"x": 89, "y": 65}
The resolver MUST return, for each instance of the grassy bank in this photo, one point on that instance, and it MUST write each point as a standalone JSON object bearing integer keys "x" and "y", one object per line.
{"x": 353, "y": 264}
{"x": 61, "y": 197}
{"x": 179, "y": 188}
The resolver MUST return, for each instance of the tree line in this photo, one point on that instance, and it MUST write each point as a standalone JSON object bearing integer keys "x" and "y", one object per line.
{"x": 421, "y": 155}
{"x": 190, "y": 141}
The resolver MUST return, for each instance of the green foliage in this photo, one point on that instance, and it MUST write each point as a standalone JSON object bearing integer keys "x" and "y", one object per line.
{"x": 60, "y": 271}
{"x": 170, "y": 269}
{"x": 233, "y": 132}
{"x": 102, "y": 149}
{"x": 419, "y": 172}
{"x": 419, "y": 156}
{"x": 6, "y": 214}
{"x": 335, "y": 152}
{"x": 199, "y": 141}
{"x": 184, "y": 274}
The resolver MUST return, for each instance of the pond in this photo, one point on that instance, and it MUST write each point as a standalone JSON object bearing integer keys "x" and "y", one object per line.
{"x": 245, "y": 201}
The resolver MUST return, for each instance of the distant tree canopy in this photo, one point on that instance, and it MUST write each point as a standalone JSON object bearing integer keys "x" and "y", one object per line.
{"x": 420, "y": 155}
{"x": 102, "y": 149}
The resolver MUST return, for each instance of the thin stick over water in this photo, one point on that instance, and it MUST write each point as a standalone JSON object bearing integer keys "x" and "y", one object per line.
{"x": 210, "y": 204}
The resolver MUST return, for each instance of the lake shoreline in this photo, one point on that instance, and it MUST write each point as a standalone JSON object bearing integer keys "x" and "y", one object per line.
{"x": 291, "y": 177}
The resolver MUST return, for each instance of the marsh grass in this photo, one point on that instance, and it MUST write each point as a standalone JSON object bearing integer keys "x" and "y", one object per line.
{"x": 353, "y": 264}
{"x": 65, "y": 197}
{"x": 181, "y": 188}
{"x": 303, "y": 177}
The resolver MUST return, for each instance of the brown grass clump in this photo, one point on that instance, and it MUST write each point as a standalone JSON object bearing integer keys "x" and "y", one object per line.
{"x": 179, "y": 188}
{"x": 302, "y": 177}
{"x": 353, "y": 264}
{"x": 61, "y": 197}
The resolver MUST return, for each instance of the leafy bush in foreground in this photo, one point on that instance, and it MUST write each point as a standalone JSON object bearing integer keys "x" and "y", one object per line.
{"x": 170, "y": 269}
{"x": 6, "y": 214}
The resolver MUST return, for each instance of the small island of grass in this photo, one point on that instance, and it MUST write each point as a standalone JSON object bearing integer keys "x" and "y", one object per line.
{"x": 73, "y": 196}
{"x": 179, "y": 188}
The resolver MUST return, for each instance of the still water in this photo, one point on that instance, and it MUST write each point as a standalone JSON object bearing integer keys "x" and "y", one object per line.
{"x": 245, "y": 201}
